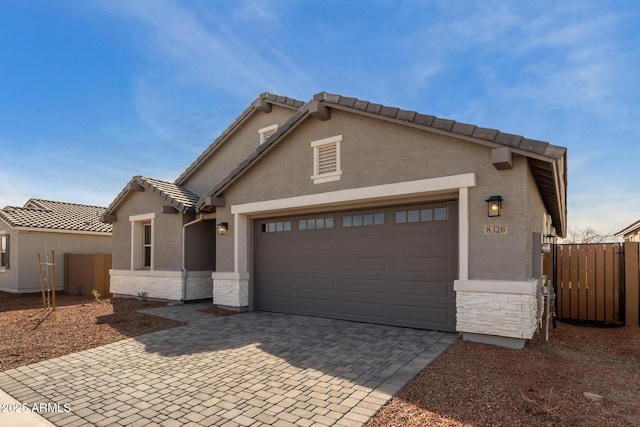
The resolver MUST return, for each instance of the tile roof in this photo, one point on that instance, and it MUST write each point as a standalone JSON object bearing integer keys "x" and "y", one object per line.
{"x": 179, "y": 197}
{"x": 257, "y": 104}
{"x": 47, "y": 214}
{"x": 464, "y": 129}
{"x": 182, "y": 199}
{"x": 547, "y": 162}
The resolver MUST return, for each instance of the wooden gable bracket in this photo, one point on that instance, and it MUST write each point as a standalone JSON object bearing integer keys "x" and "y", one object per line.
{"x": 319, "y": 110}
{"x": 502, "y": 158}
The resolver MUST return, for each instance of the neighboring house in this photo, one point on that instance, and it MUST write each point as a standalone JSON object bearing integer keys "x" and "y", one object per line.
{"x": 630, "y": 233}
{"x": 39, "y": 227}
{"x": 352, "y": 210}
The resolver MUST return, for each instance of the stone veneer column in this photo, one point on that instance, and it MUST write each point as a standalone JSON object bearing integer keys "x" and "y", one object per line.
{"x": 231, "y": 289}
{"x": 500, "y": 312}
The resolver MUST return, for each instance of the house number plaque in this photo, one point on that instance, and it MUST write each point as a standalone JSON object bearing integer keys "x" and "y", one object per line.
{"x": 495, "y": 229}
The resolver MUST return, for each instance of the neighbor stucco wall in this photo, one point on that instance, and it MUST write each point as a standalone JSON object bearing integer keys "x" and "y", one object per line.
{"x": 25, "y": 246}
{"x": 375, "y": 152}
{"x": 167, "y": 232}
{"x": 232, "y": 151}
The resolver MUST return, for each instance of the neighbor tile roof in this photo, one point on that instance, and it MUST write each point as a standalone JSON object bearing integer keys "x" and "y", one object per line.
{"x": 47, "y": 214}
{"x": 179, "y": 197}
{"x": 182, "y": 199}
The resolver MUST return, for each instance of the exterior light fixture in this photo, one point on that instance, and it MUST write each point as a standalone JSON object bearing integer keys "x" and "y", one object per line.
{"x": 223, "y": 227}
{"x": 494, "y": 205}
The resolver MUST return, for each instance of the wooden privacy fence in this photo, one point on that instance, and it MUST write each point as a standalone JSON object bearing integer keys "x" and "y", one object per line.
{"x": 589, "y": 282}
{"x": 85, "y": 272}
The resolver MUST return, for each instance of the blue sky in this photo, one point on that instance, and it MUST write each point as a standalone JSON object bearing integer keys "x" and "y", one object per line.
{"x": 95, "y": 92}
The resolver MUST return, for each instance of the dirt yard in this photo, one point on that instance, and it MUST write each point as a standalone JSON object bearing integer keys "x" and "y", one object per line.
{"x": 543, "y": 385}
{"x": 468, "y": 385}
{"x": 28, "y": 335}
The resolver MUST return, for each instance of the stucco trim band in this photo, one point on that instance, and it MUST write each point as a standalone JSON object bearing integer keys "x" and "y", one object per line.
{"x": 526, "y": 287}
{"x": 376, "y": 192}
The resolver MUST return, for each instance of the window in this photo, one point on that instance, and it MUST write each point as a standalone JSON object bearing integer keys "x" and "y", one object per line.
{"x": 266, "y": 132}
{"x": 146, "y": 263}
{"x": 4, "y": 251}
{"x": 421, "y": 215}
{"x": 363, "y": 220}
{"x": 276, "y": 227}
{"x": 315, "y": 224}
{"x": 142, "y": 241}
{"x": 326, "y": 160}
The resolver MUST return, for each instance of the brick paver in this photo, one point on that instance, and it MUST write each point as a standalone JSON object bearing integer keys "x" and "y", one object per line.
{"x": 250, "y": 369}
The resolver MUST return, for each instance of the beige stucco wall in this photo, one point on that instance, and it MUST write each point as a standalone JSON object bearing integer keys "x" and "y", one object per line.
{"x": 232, "y": 151}
{"x": 376, "y": 152}
{"x": 23, "y": 274}
{"x": 167, "y": 232}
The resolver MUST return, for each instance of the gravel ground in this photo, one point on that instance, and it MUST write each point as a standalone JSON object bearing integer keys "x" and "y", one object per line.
{"x": 468, "y": 385}
{"x": 474, "y": 384}
{"x": 28, "y": 334}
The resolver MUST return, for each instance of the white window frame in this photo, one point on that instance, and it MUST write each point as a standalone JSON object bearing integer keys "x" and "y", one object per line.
{"x": 5, "y": 236}
{"x": 138, "y": 223}
{"x": 317, "y": 177}
{"x": 266, "y": 132}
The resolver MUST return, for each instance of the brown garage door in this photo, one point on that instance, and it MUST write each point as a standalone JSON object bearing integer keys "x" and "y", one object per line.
{"x": 393, "y": 266}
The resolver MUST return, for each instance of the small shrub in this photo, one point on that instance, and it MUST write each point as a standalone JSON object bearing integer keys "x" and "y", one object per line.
{"x": 96, "y": 295}
{"x": 143, "y": 295}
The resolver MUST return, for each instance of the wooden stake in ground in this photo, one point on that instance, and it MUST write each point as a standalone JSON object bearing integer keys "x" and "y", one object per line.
{"x": 44, "y": 300}
{"x": 53, "y": 280}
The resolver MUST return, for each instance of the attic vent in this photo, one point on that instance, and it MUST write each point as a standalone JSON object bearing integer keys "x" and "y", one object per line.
{"x": 265, "y": 133}
{"x": 326, "y": 160}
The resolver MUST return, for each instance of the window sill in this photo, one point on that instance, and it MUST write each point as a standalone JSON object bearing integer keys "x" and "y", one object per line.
{"x": 3, "y": 269}
{"x": 326, "y": 177}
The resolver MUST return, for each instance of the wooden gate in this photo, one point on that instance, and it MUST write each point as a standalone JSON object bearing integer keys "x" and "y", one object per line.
{"x": 589, "y": 281}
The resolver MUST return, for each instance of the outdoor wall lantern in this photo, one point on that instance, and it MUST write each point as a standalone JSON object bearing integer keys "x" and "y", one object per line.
{"x": 494, "y": 204}
{"x": 223, "y": 227}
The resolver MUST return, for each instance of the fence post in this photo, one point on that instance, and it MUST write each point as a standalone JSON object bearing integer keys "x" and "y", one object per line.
{"x": 632, "y": 283}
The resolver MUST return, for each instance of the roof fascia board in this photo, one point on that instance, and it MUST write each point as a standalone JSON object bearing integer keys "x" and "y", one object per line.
{"x": 55, "y": 230}
{"x": 628, "y": 229}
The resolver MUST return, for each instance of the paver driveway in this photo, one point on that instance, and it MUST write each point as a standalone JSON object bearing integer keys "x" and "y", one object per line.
{"x": 248, "y": 369}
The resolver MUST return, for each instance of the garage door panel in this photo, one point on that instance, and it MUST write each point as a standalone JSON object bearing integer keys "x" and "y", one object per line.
{"x": 319, "y": 264}
{"x": 360, "y": 309}
{"x": 317, "y": 244}
{"x": 362, "y": 264}
{"x": 422, "y": 240}
{"x": 316, "y": 306}
{"x": 363, "y": 286}
{"x": 366, "y": 267}
{"x": 413, "y": 316}
{"x": 356, "y": 242}
{"x": 419, "y": 288}
{"x": 318, "y": 283}
{"x": 435, "y": 264}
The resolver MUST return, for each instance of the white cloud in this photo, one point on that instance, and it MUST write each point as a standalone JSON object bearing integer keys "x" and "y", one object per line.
{"x": 224, "y": 49}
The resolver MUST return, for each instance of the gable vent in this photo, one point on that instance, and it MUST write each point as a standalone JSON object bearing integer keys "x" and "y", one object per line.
{"x": 327, "y": 158}
{"x": 265, "y": 133}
